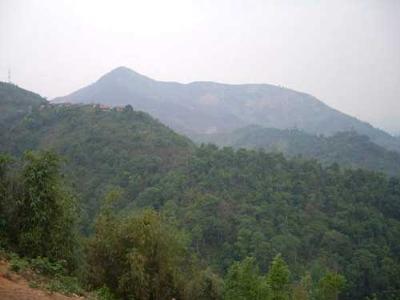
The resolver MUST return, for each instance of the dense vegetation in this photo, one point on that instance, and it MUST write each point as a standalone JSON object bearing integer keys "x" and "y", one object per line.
{"x": 249, "y": 203}
{"x": 172, "y": 220}
{"x": 348, "y": 149}
{"x": 103, "y": 147}
{"x": 15, "y": 103}
{"x": 37, "y": 214}
{"x": 139, "y": 256}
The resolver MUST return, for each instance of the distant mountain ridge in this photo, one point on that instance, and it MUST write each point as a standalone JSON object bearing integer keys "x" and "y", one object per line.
{"x": 209, "y": 107}
{"x": 348, "y": 149}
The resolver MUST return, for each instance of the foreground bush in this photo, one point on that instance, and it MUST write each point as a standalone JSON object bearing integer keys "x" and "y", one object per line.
{"x": 37, "y": 214}
{"x": 137, "y": 257}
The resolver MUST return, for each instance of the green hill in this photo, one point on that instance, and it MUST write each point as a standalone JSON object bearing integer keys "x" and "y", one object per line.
{"x": 102, "y": 147}
{"x": 16, "y": 103}
{"x": 349, "y": 149}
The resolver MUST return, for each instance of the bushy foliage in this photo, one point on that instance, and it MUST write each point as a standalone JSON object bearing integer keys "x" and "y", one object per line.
{"x": 278, "y": 279}
{"x": 45, "y": 274}
{"x": 243, "y": 282}
{"x": 204, "y": 285}
{"x": 38, "y": 215}
{"x": 142, "y": 257}
{"x": 330, "y": 285}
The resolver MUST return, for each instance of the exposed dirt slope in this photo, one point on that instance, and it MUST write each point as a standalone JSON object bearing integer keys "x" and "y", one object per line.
{"x": 15, "y": 287}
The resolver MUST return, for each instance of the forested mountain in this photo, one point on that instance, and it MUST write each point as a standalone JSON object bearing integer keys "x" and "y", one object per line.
{"x": 209, "y": 107}
{"x": 16, "y": 103}
{"x": 102, "y": 147}
{"x": 192, "y": 222}
{"x": 345, "y": 148}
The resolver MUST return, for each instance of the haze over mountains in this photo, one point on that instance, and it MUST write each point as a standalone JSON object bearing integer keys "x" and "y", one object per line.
{"x": 200, "y": 150}
{"x": 232, "y": 204}
{"x": 29, "y": 121}
{"x": 209, "y": 107}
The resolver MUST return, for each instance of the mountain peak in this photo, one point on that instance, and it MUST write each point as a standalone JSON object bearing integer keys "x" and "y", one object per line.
{"x": 122, "y": 69}
{"x": 124, "y": 73}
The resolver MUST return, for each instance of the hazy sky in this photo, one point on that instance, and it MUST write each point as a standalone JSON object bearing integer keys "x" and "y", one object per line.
{"x": 345, "y": 52}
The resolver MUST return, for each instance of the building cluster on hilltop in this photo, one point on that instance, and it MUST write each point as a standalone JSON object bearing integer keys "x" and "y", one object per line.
{"x": 102, "y": 107}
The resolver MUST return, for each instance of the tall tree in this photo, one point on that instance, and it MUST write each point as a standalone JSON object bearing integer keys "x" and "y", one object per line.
{"x": 138, "y": 257}
{"x": 243, "y": 282}
{"x": 330, "y": 286}
{"x": 278, "y": 279}
{"x": 44, "y": 217}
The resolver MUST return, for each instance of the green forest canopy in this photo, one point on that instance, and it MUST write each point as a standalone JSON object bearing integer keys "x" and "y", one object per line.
{"x": 230, "y": 211}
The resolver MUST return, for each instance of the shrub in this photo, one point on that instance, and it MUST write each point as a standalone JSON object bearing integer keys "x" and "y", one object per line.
{"x": 18, "y": 264}
{"x": 67, "y": 285}
{"x": 42, "y": 265}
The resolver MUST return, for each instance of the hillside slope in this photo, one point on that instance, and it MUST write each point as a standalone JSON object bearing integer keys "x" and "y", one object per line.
{"x": 16, "y": 103}
{"x": 209, "y": 107}
{"x": 245, "y": 203}
{"x": 15, "y": 287}
{"x": 348, "y": 149}
{"x": 102, "y": 147}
